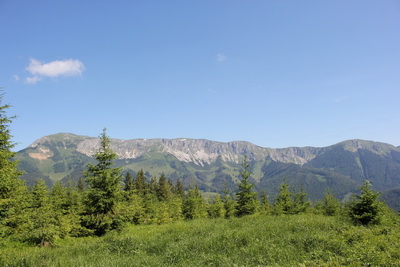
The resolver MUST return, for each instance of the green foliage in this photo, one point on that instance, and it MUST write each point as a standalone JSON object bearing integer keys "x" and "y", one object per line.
{"x": 247, "y": 202}
{"x": 216, "y": 209}
{"x": 12, "y": 190}
{"x": 284, "y": 202}
{"x": 265, "y": 207}
{"x": 103, "y": 190}
{"x": 164, "y": 189}
{"x": 299, "y": 240}
{"x": 329, "y": 206}
{"x": 128, "y": 182}
{"x": 194, "y": 206}
{"x": 365, "y": 209}
{"x": 140, "y": 184}
{"x": 44, "y": 217}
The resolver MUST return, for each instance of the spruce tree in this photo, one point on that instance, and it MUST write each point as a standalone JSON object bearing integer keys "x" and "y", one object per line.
{"x": 247, "y": 202}
{"x": 216, "y": 208}
{"x": 229, "y": 203}
{"x": 140, "y": 184}
{"x": 300, "y": 202}
{"x": 194, "y": 206}
{"x": 164, "y": 190}
{"x": 46, "y": 226}
{"x": 103, "y": 189}
{"x": 265, "y": 205}
{"x": 365, "y": 209}
{"x": 13, "y": 192}
{"x": 329, "y": 206}
{"x": 179, "y": 190}
{"x": 284, "y": 202}
{"x": 129, "y": 182}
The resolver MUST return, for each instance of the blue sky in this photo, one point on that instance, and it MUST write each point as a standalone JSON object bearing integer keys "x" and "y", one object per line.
{"x": 274, "y": 73}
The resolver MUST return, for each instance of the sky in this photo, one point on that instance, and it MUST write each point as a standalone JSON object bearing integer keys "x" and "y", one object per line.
{"x": 274, "y": 73}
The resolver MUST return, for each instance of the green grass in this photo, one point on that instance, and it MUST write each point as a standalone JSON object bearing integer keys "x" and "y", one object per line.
{"x": 301, "y": 240}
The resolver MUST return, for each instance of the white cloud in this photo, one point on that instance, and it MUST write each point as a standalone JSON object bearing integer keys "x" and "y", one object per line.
{"x": 68, "y": 67}
{"x": 221, "y": 57}
{"x": 16, "y": 77}
{"x": 32, "y": 80}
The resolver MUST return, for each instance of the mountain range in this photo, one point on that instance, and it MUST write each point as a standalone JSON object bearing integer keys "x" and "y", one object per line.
{"x": 215, "y": 166}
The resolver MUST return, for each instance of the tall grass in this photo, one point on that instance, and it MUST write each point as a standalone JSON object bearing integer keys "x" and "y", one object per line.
{"x": 305, "y": 240}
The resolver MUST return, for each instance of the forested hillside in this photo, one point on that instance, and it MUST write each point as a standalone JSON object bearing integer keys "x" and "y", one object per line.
{"x": 214, "y": 166}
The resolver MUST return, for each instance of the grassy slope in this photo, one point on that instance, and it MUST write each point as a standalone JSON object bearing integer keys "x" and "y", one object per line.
{"x": 302, "y": 240}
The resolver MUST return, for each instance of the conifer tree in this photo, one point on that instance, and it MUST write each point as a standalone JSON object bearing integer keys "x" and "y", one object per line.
{"x": 247, "y": 202}
{"x": 179, "y": 189}
{"x": 104, "y": 191}
{"x": 329, "y": 205}
{"x": 265, "y": 205}
{"x": 300, "y": 203}
{"x": 13, "y": 192}
{"x": 140, "y": 183}
{"x": 194, "y": 206}
{"x": 164, "y": 190}
{"x": 129, "y": 182}
{"x": 284, "y": 202}
{"x": 46, "y": 227}
{"x": 365, "y": 209}
{"x": 216, "y": 208}
{"x": 229, "y": 203}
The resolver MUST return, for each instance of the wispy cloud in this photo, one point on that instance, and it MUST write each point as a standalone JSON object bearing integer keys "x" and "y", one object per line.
{"x": 16, "y": 77}
{"x": 221, "y": 57}
{"x": 53, "y": 69}
{"x": 32, "y": 80}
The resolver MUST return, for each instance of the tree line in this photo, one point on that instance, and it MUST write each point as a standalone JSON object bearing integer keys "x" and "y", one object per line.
{"x": 108, "y": 200}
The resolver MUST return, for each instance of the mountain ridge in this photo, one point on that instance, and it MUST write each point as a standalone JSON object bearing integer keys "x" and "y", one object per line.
{"x": 214, "y": 165}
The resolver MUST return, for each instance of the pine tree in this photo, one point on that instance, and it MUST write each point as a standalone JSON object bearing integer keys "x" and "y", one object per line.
{"x": 265, "y": 205}
{"x": 164, "y": 190}
{"x": 129, "y": 182}
{"x": 365, "y": 209}
{"x": 247, "y": 202}
{"x": 140, "y": 184}
{"x": 179, "y": 190}
{"x": 13, "y": 191}
{"x": 46, "y": 227}
{"x": 103, "y": 189}
{"x": 300, "y": 203}
{"x": 194, "y": 206}
{"x": 216, "y": 208}
{"x": 329, "y": 206}
{"x": 284, "y": 202}
{"x": 229, "y": 203}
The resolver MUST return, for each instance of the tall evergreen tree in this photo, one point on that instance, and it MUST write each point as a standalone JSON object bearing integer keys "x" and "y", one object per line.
{"x": 46, "y": 227}
{"x": 265, "y": 205}
{"x": 247, "y": 202}
{"x": 329, "y": 205}
{"x": 365, "y": 208}
{"x": 194, "y": 206}
{"x": 141, "y": 186}
{"x": 179, "y": 190}
{"x": 229, "y": 203}
{"x": 300, "y": 203}
{"x": 103, "y": 189}
{"x": 13, "y": 191}
{"x": 164, "y": 190}
{"x": 216, "y": 208}
{"x": 284, "y": 201}
{"x": 129, "y": 182}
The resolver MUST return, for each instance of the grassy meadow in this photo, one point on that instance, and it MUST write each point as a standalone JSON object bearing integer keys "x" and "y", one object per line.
{"x": 295, "y": 240}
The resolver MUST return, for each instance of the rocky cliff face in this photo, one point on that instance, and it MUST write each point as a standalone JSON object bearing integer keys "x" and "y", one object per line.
{"x": 197, "y": 151}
